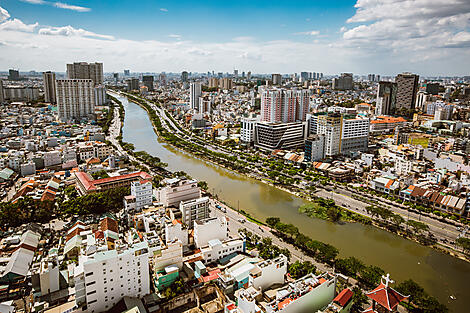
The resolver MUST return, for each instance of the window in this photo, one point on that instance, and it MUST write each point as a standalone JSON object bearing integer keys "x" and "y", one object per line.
{"x": 90, "y": 283}
{"x": 91, "y": 292}
{"x": 89, "y": 274}
{"x": 93, "y": 301}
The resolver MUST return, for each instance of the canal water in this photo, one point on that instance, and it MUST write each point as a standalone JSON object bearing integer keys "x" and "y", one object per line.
{"x": 441, "y": 275}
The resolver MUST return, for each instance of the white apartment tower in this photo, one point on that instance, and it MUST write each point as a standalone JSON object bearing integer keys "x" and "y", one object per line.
{"x": 287, "y": 106}
{"x": 194, "y": 94}
{"x": 75, "y": 98}
{"x": 104, "y": 278}
{"x": 49, "y": 87}
{"x": 142, "y": 191}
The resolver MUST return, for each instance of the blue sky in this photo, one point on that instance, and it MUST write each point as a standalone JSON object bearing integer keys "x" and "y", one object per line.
{"x": 382, "y": 36}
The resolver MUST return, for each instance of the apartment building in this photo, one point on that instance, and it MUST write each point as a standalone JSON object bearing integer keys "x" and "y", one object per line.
{"x": 177, "y": 190}
{"x": 407, "y": 88}
{"x": 84, "y": 70}
{"x": 142, "y": 192}
{"x": 354, "y": 134}
{"x": 386, "y": 98}
{"x": 281, "y": 105}
{"x": 105, "y": 277}
{"x": 194, "y": 210}
{"x": 247, "y": 130}
{"x": 75, "y": 98}
{"x": 314, "y": 148}
{"x": 212, "y": 228}
{"x": 344, "y": 82}
{"x": 49, "y": 87}
{"x": 195, "y": 92}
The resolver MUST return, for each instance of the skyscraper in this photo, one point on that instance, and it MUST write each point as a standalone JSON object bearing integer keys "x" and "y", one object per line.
{"x": 13, "y": 75}
{"x": 127, "y": 72}
{"x": 280, "y": 105}
{"x": 2, "y": 98}
{"x": 386, "y": 98}
{"x": 344, "y": 82}
{"x": 407, "y": 88}
{"x": 194, "y": 94}
{"x": 132, "y": 84}
{"x": 148, "y": 82}
{"x": 184, "y": 76}
{"x": 75, "y": 98}
{"x": 84, "y": 70}
{"x": 49, "y": 87}
{"x": 277, "y": 79}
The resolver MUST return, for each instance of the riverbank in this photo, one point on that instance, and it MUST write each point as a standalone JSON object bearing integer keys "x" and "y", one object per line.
{"x": 182, "y": 144}
{"x": 438, "y": 273}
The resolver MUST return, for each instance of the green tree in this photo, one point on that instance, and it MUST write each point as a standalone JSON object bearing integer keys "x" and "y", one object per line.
{"x": 370, "y": 276}
{"x": 298, "y": 269}
{"x": 272, "y": 221}
{"x": 349, "y": 266}
{"x": 464, "y": 243}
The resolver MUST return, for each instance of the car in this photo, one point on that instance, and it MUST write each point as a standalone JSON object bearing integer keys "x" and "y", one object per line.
{"x": 241, "y": 220}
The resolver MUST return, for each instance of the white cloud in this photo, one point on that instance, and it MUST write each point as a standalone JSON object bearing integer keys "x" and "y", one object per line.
{"x": 176, "y": 36}
{"x": 66, "y": 6}
{"x": 70, "y": 31}
{"x": 18, "y": 25}
{"x": 163, "y": 10}
{"x": 4, "y": 15}
{"x": 309, "y": 33}
{"x": 60, "y": 5}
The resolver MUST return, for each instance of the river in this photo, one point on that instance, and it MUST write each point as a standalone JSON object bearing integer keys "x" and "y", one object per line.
{"x": 441, "y": 275}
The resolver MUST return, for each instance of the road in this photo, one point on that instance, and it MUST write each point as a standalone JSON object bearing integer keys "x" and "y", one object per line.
{"x": 442, "y": 231}
{"x": 236, "y": 224}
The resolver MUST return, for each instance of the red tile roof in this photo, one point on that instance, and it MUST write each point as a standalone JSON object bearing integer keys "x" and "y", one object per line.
{"x": 385, "y": 296}
{"x": 343, "y": 297}
{"x": 109, "y": 224}
{"x": 90, "y": 184}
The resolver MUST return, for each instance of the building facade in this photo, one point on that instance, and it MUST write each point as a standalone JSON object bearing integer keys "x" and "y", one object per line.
{"x": 386, "y": 98}
{"x": 75, "y": 98}
{"x": 49, "y": 87}
{"x": 84, "y": 70}
{"x": 194, "y": 94}
{"x": 272, "y": 136}
{"x": 407, "y": 88}
{"x": 194, "y": 210}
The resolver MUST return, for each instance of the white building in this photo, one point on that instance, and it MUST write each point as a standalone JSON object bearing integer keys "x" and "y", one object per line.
{"x": 216, "y": 249}
{"x": 178, "y": 190}
{"x": 175, "y": 230}
{"x": 268, "y": 272}
{"x": 100, "y": 95}
{"x": 142, "y": 191}
{"x": 104, "y": 278}
{"x": 75, "y": 98}
{"x": 204, "y": 105}
{"x": 52, "y": 158}
{"x": 171, "y": 254}
{"x": 194, "y": 94}
{"x": 354, "y": 134}
{"x": 247, "y": 131}
{"x": 402, "y": 166}
{"x": 194, "y": 210}
{"x": 212, "y": 228}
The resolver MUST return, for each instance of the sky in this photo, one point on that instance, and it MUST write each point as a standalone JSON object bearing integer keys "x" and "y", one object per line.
{"x": 428, "y": 37}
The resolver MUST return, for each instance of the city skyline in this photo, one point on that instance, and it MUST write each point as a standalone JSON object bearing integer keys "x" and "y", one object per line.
{"x": 426, "y": 37}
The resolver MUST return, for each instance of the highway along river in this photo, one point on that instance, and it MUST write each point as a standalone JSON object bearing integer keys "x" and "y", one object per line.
{"x": 441, "y": 275}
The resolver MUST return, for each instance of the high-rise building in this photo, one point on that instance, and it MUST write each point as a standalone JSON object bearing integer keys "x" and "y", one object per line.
{"x": 194, "y": 94}
{"x": 407, "y": 88}
{"x": 147, "y": 80}
{"x": 162, "y": 79}
{"x": 343, "y": 133}
{"x": 13, "y": 75}
{"x": 432, "y": 88}
{"x": 75, "y": 98}
{"x": 386, "y": 98}
{"x": 344, "y": 82}
{"x": 103, "y": 278}
{"x": 49, "y": 87}
{"x": 213, "y": 82}
{"x": 100, "y": 95}
{"x": 116, "y": 77}
{"x": 248, "y": 75}
{"x": 132, "y": 84}
{"x": 277, "y": 79}
{"x": 280, "y": 105}
{"x": 84, "y": 70}
{"x": 184, "y": 76}
{"x": 314, "y": 148}
{"x": 204, "y": 105}
{"x": 304, "y": 76}
{"x": 225, "y": 83}
{"x": 247, "y": 130}
{"x": 2, "y": 97}
{"x": 127, "y": 72}
{"x": 235, "y": 73}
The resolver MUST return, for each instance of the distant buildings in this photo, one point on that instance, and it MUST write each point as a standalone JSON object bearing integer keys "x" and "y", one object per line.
{"x": 184, "y": 76}
{"x": 75, "y": 98}
{"x": 49, "y": 87}
{"x": 407, "y": 88}
{"x": 84, "y": 70}
{"x": 386, "y": 98}
{"x": 20, "y": 93}
{"x": 344, "y": 82}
